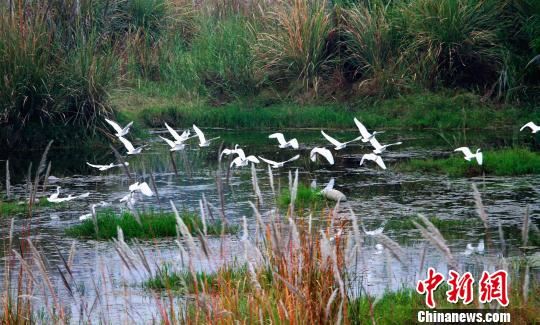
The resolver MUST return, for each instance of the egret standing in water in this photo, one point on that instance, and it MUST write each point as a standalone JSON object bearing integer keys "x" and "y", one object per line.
{"x": 332, "y": 194}
{"x": 373, "y": 157}
{"x": 534, "y": 128}
{"x": 293, "y": 143}
{"x": 202, "y": 139}
{"x": 275, "y": 164}
{"x": 338, "y": 145}
{"x": 106, "y": 167}
{"x": 327, "y": 154}
{"x": 469, "y": 155}
{"x": 141, "y": 187}
{"x": 120, "y": 132}
{"x": 131, "y": 150}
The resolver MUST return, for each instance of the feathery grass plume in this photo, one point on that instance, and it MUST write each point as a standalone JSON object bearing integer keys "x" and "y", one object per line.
{"x": 271, "y": 180}
{"x": 501, "y": 238}
{"x": 358, "y": 239}
{"x": 255, "y": 183}
{"x": 432, "y": 234}
{"x": 153, "y": 182}
{"x": 525, "y": 228}
{"x": 329, "y": 303}
{"x": 290, "y": 181}
{"x": 40, "y": 169}
{"x": 480, "y": 210}
{"x": 219, "y": 187}
{"x": 183, "y": 230}
{"x": 294, "y": 191}
{"x": 326, "y": 249}
{"x": 392, "y": 246}
{"x": 203, "y": 217}
{"x": 8, "y": 181}
{"x": 124, "y": 251}
{"x": 526, "y": 284}
{"x": 71, "y": 255}
{"x": 46, "y": 178}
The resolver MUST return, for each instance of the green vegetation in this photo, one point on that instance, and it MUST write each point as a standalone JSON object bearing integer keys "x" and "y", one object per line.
{"x": 505, "y": 162}
{"x": 444, "y": 225}
{"x": 153, "y": 225}
{"x": 306, "y": 197}
{"x": 12, "y": 208}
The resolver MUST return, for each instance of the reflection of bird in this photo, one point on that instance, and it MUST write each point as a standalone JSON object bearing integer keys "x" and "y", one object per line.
{"x": 284, "y": 143}
{"x": 131, "y": 150}
{"x": 366, "y": 136}
{"x": 469, "y": 155}
{"x": 373, "y": 157}
{"x": 141, "y": 187}
{"x": 534, "y": 128}
{"x": 202, "y": 140}
{"x": 323, "y": 152}
{"x": 373, "y": 232}
{"x": 275, "y": 164}
{"x": 378, "y": 148}
{"x": 338, "y": 145}
{"x": 106, "y": 167}
{"x": 120, "y": 132}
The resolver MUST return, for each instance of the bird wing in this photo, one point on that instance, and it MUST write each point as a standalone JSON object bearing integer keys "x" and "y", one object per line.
{"x": 375, "y": 143}
{"x": 363, "y": 131}
{"x": 134, "y": 187}
{"x": 279, "y": 136}
{"x": 466, "y": 151}
{"x": 331, "y": 140}
{"x": 145, "y": 189}
{"x": 353, "y": 140}
{"x": 530, "y": 125}
{"x": 96, "y": 166}
{"x": 292, "y": 159}
{"x": 82, "y": 196}
{"x": 127, "y": 144}
{"x": 313, "y": 153}
{"x": 169, "y": 142}
{"x": 236, "y": 161}
{"x": 115, "y": 126}
{"x": 253, "y": 159}
{"x": 268, "y": 161}
{"x": 293, "y": 143}
{"x": 199, "y": 133}
{"x": 126, "y": 128}
{"x": 326, "y": 154}
{"x": 330, "y": 185}
{"x": 240, "y": 152}
{"x": 175, "y": 134}
{"x": 480, "y": 158}
{"x": 380, "y": 162}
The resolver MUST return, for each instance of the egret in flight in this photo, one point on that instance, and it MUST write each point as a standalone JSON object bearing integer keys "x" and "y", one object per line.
{"x": 534, "y": 128}
{"x": 131, "y": 150}
{"x": 106, "y": 167}
{"x": 202, "y": 140}
{"x": 373, "y": 157}
{"x": 141, "y": 187}
{"x": 469, "y": 155}
{"x": 327, "y": 154}
{"x": 366, "y": 136}
{"x": 177, "y": 137}
{"x": 175, "y": 146}
{"x": 378, "y": 148}
{"x": 338, "y": 145}
{"x": 275, "y": 164}
{"x": 120, "y": 132}
{"x": 228, "y": 152}
{"x": 293, "y": 143}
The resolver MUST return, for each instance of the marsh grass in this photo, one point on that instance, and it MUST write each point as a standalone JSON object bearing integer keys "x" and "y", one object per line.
{"x": 153, "y": 225}
{"x": 12, "y": 208}
{"x": 504, "y": 162}
{"x": 450, "y": 228}
{"x": 306, "y": 198}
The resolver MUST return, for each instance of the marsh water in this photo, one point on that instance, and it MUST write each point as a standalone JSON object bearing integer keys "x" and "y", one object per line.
{"x": 375, "y": 195}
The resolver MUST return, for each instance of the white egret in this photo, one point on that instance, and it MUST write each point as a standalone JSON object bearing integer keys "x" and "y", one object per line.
{"x": 332, "y": 194}
{"x": 293, "y": 143}
{"x": 55, "y": 195}
{"x": 373, "y": 157}
{"x": 175, "y": 146}
{"x": 338, "y": 145}
{"x": 534, "y": 128}
{"x": 131, "y": 150}
{"x": 373, "y": 232}
{"x": 178, "y": 138}
{"x": 469, "y": 155}
{"x": 228, "y": 152}
{"x": 242, "y": 160}
{"x": 120, "y": 132}
{"x": 89, "y": 215}
{"x": 275, "y": 164}
{"x": 379, "y": 249}
{"x": 366, "y": 136}
{"x": 327, "y": 154}
{"x": 55, "y": 199}
{"x": 106, "y": 167}
{"x": 471, "y": 249}
{"x": 378, "y": 148}
{"x": 141, "y": 187}
{"x": 202, "y": 140}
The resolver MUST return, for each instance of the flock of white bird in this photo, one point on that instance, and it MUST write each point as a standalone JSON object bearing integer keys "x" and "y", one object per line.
{"x": 178, "y": 142}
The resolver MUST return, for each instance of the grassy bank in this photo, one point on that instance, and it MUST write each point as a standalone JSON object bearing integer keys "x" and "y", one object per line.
{"x": 423, "y": 110}
{"x": 505, "y": 162}
{"x": 153, "y": 225}
{"x": 12, "y": 208}
{"x": 306, "y": 197}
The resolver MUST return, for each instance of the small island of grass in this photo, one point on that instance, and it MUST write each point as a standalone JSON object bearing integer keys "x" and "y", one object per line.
{"x": 15, "y": 207}
{"x": 153, "y": 225}
{"x": 306, "y": 197}
{"x": 505, "y": 162}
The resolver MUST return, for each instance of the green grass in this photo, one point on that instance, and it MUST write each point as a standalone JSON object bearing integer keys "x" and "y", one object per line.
{"x": 306, "y": 197}
{"x": 154, "y": 225}
{"x": 444, "y": 225}
{"x": 152, "y": 105}
{"x": 12, "y": 208}
{"x": 504, "y": 162}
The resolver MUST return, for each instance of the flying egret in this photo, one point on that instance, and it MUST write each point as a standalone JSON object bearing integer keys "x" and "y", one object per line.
{"x": 366, "y": 136}
{"x": 469, "y": 155}
{"x": 284, "y": 143}
{"x": 338, "y": 145}
{"x": 228, "y": 152}
{"x": 120, "y": 132}
{"x": 378, "y": 148}
{"x": 202, "y": 140}
{"x": 106, "y": 167}
{"x": 242, "y": 161}
{"x": 332, "y": 194}
{"x": 131, "y": 150}
{"x": 323, "y": 152}
{"x": 534, "y": 128}
{"x": 178, "y": 138}
{"x": 373, "y": 157}
{"x": 141, "y": 187}
{"x": 175, "y": 146}
{"x": 275, "y": 164}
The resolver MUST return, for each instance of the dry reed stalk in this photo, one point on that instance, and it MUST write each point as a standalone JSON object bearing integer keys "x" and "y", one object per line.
{"x": 480, "y": 210}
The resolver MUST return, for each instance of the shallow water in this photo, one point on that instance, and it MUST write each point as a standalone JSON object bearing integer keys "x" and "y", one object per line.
{"x": 375, "y": 196}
